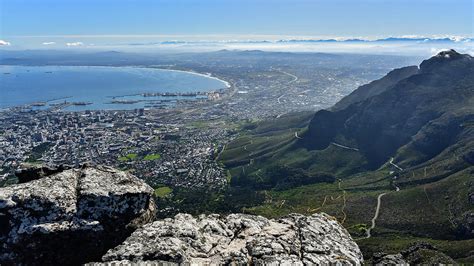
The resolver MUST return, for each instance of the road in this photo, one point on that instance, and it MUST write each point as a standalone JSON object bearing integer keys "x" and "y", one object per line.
{"x": 396, "y": 187}
{"x": 344, "y": 147}
{"x": 278, "y": 99}
{"x": 344, "y": 201}
{"x": 377, "y": 210}
{"x": 394, "y": 165}
{"x": 296, "y": 135}
{"x": 379, "y": 203}
{"x": 295, "y": 78}
{"x": 220, "y": 153}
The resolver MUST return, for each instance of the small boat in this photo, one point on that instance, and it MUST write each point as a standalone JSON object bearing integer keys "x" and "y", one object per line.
{"x": 81, "y": 103}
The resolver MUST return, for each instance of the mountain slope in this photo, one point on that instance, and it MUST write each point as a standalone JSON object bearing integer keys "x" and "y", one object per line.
{"x": 404, "y": 144}
{"x": 376, "y": 87}
{"x": 426, "y": 110}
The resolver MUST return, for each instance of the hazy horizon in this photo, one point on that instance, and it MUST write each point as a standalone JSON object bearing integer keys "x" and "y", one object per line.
{"x": 189, "y": 25}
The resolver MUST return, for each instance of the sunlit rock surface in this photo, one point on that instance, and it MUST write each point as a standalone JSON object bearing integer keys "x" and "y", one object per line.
{"x": 240, "y": 238}
{"x": 72, "y": 216}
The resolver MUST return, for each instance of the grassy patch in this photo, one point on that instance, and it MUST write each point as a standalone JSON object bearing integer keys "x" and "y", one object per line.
{"x": 199, "y": 124}
{"x": 151, "y": 157}
{"x": 38, "y": 151}
{"x": 128, "y": 157}
{"x": 163, "y": 192}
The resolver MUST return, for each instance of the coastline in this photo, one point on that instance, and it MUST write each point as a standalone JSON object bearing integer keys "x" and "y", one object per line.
{"x": 226, "y": 84}
{"x": 208, "y": 75}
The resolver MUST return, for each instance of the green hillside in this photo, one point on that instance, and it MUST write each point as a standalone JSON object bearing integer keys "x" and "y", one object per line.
{"x": 410, "y": 144}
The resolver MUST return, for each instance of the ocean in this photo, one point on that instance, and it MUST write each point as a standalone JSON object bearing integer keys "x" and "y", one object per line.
{"x": 99, "y": 88}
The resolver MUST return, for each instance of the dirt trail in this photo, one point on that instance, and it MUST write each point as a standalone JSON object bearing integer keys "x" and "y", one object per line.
{"x": 377, "y": 211}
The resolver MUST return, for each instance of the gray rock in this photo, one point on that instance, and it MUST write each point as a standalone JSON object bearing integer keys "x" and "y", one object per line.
{"x": 419, "y": 253}
{"x": 426, "y": 254}
{"x": 29, "y": 172}
{"x": 391, "y": 259}
{"x": 241, "y": 239}
{"x": 71, "y": 216}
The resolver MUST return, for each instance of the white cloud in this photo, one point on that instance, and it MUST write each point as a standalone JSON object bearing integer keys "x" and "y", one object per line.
{"x": 74, "y": 44}
{"x": 4, "y": 43}
{"x": 49, "y": 43}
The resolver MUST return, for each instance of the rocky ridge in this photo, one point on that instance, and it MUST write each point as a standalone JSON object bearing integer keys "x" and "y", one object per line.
{"x": 72, "y": 216}
{"x": 418, "y": 253}
{"x": 241, "y": 239}
{"x": 75, "y": 216}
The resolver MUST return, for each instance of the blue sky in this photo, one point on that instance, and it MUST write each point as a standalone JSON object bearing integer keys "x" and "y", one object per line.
{"x": 236, "y": 17}
{"x": 26, "y": 23}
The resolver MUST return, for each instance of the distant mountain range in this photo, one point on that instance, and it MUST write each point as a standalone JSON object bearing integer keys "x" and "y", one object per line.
{"x": 349, "y": 40}
{"x": 338, "y": 40}
{"x": 390, "y": 39}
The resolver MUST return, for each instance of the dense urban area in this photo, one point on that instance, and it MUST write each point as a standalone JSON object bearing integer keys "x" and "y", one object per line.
{"x": 179, "y": 146}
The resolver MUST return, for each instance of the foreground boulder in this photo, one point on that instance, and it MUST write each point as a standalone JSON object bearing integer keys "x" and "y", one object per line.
{"x": 71, "y": 216}
{"x": 241, "y": 239}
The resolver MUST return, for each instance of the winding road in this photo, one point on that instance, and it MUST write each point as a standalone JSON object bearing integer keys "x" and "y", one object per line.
{"x": 296, "y": 135}
{"x": 394, "y": 165}
{"x": 295, "y": 78}
{"x": 379, "y": 202}
{"x": 377, "y": 211}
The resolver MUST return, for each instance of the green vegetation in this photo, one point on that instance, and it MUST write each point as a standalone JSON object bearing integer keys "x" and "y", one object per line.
{"x": 163, "y": 191}
{"x": 431, "y": 206}
{"x": 198, "y": 201}
{"x": 128, "y": 157}
{"x": 151, "y": 157}
{"x": 394, "y": 243}
{"x": 9, "y": 180}
{"x": 199, "y": 124}
{"x": 135, "y": 156}
{"x": 38, "y": 151}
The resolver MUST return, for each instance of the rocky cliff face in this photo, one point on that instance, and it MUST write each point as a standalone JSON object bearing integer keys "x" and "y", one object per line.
{"x": 241, "y": 239}
{"x": 71, "y": 216}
